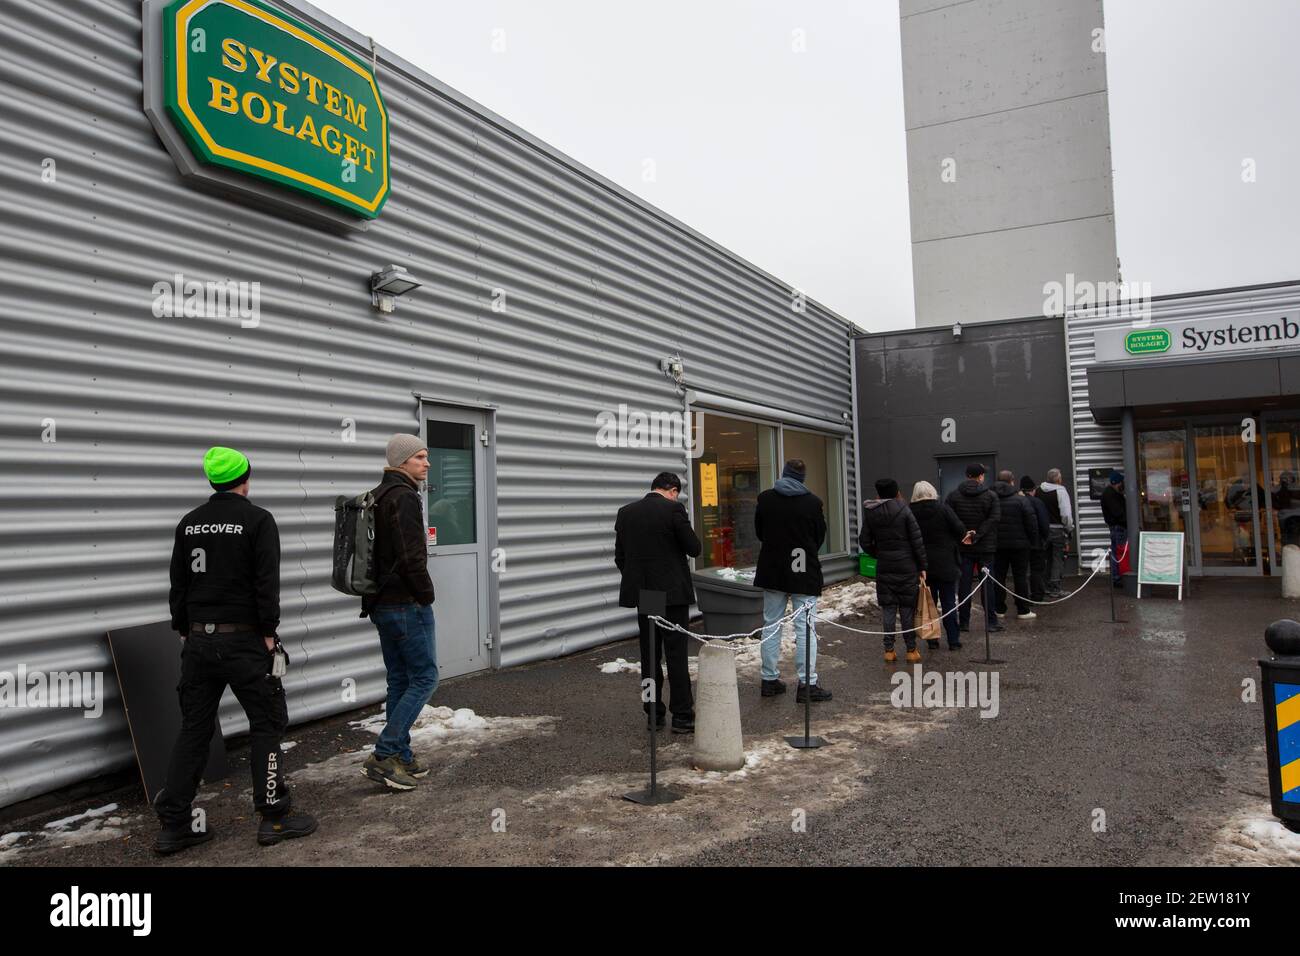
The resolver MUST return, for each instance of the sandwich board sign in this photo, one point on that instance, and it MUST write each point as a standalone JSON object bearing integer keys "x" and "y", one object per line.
{"x": 1160, "y": 560}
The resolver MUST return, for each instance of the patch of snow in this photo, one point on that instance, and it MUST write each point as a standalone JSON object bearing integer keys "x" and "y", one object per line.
{"x": 287, "y": 745}
{"x": 9, "y": 839}
{"x": 1251, "y": 840}
{"x": 88, "y": 815}
{"x": 849, "y": 599}
{"x": 620, "y": 666}
{"x": 744, "y": 576}
{"x": 436, "y": 727}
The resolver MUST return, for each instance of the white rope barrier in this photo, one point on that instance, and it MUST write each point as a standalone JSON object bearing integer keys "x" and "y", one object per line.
{"x": 1102, "y": 561}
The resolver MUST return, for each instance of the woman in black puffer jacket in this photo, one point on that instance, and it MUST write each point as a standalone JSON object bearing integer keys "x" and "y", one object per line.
{"x": 891, "y": 535}
{"x": 941, "y": 531}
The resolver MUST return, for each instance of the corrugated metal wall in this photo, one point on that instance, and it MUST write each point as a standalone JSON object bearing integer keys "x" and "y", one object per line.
{"x": 599, "y": 287}
{"x": 1100, "y": 446}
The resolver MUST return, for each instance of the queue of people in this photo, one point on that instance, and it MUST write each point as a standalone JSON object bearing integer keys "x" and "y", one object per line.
{"x": 1017, "y": 527}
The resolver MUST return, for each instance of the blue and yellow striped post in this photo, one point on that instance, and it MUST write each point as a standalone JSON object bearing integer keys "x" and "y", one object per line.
{"x": 1280, "y": 694}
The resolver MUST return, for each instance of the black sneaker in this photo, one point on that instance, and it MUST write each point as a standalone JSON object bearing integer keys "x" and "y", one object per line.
{"x": 964, "y": 628}
{"x": 773, "y": 687}
{"x": 684, "y": 725}
{"x": 994, "y": 628}
{"x": 174, "y": 837}
{"x": 955, "y": 646}
{"x": 273, "y": 830}
{"x": 819, "y": 694}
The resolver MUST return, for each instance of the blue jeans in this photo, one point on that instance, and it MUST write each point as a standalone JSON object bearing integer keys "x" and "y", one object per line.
{"x": 411, "y": 659}
{"x": 804, "y": 627}
{"x": 1118, "y": 538}
{"x": 945, "y": 598}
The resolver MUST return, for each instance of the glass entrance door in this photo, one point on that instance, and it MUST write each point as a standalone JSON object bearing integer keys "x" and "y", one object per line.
{"x": 1225, "y": 500}
{"x": 1164, "y": 488}
{"x": 1282, "y": 483}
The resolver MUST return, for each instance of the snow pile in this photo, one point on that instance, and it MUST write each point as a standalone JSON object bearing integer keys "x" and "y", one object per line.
{"x": 735, "y": 574}
{"x": 849, "y": 600}
{"x": 437, "y": 728}
{"x": 287, "y": 745}
{"x": 620, "y": 666}
{"x": 1252, "y": 840}
{"x": 96, "y": 826}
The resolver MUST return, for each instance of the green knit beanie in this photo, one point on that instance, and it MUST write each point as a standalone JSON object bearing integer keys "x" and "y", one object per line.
{"x": 225, "y": 468}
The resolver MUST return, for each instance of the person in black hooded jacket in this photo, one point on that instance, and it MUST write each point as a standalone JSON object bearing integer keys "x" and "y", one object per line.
{"x": 1017, "y": 536}
{"x": 891, "y": 535}
{"x": 941, "y": 530}
{"x": 977, "y": 507}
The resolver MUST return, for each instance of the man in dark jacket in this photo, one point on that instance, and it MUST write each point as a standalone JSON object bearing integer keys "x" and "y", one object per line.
{"x": 941, "y": 530}
{"x": 652, "y": 541}
{"x": 1038, "y": 555}
{"x": 891, "y": 535}
{"x": 402, "y": 610}
{"x": 225, "y": 603}
{"x": 791, "y": 524}
{"x": 1114, "y": 511}
{"x": 977, "y": 507}
{"x": 1017, "y": 536}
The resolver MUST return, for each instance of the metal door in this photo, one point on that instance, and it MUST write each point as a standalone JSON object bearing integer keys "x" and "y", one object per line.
{"x": 456, "y": 505}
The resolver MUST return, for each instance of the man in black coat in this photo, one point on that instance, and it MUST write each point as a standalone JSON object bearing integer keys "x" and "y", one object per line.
{"x": 791, "y": 523}
{"x": 1038, "y": 555}
{"x": 652, "y": 540}
{"x": 1017, "y": 537}
{"x": 977, "y": 507}
{"x": 891, "y": 535}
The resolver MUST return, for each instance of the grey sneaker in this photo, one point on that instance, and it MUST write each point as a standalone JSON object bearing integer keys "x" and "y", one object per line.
{"x": 389, "y": 772}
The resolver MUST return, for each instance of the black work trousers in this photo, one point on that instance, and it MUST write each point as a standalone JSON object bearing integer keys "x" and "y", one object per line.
{"x": 210, "y": 662}
{"x": 673, "y": 645}
{"x": 1018, "y": 562}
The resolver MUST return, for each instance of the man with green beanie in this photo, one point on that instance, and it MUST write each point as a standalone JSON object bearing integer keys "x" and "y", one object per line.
{"x": 225, "y": 603}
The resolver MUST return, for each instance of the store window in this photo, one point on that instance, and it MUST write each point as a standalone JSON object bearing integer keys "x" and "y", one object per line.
{"x": 738, "y": 460}
{"x": 821, "y": 454}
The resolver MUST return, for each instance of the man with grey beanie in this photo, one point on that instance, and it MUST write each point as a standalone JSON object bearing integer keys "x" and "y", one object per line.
{"x": 402, "y": 610}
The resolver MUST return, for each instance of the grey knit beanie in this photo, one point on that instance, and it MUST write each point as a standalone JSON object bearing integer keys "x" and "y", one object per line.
{"x": 402, "y": 446}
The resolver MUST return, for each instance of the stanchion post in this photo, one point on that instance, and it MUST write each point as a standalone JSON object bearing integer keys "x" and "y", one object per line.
{"x": 652, "y": 604}
{"x": 985, "y": 590}
{"x": 807, "y": 741}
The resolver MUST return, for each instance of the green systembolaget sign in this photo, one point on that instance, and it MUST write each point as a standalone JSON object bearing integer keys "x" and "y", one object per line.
{"x": 256, "y": 91}
{"x": 1144, "y": 341}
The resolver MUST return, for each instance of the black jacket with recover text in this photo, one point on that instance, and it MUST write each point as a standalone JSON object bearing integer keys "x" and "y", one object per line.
{"x": 226, "y": 566}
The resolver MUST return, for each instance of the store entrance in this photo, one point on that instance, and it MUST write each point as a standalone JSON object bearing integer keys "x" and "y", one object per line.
{"x": 1236, "y": 501}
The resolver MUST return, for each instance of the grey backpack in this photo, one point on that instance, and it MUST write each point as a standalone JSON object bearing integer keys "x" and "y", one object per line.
{"x": 354, "y": 543}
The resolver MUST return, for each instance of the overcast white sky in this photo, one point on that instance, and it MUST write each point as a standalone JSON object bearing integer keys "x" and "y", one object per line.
{"x": 797, "y": 162}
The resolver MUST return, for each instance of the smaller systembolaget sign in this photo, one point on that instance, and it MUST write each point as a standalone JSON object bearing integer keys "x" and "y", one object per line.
{"x": 1215, "y": 336}
{"x": 257, "y": 92}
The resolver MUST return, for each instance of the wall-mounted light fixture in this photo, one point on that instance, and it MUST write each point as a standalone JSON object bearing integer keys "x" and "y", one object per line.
{"x": 387, "y": 285}
{"x": 672, "y": 367}
{"x": 956, "y": 331}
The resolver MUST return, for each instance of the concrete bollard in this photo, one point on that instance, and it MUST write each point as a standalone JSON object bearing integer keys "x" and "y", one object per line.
{"x": 718, "y": 743}
{"x": 1291, "y": 571}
